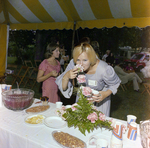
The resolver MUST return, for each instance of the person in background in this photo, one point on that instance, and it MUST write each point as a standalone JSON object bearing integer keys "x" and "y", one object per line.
{"x": 85, "y": 39}
{"x": 98, "y": 74}
{"x": 105, "y": 55}
{"x": 146, "y": 70}
{"x": 110, "y": 59}
{"x": 126, "y": 77}
{"x": 48, "y": 71}
{"x": 62, "y": 57}
{"x": 129, "y": 68}
{"x": 95, "y": 46}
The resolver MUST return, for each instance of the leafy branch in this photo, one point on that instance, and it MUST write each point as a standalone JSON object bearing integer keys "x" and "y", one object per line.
{"x": 78, "y": 118}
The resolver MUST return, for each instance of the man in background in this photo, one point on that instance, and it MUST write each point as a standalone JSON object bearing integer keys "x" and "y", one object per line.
{"x": 105, "y": 55}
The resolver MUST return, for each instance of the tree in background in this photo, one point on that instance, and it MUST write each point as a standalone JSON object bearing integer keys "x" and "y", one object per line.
{"x": 22, "y": 45}
{"x": 32, "y": 44}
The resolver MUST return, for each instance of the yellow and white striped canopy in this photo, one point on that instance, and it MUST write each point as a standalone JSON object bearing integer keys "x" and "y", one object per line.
{"x": 60, "y": 14}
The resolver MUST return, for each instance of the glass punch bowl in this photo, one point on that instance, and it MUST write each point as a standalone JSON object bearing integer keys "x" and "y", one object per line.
{"x": 18, "y": 99}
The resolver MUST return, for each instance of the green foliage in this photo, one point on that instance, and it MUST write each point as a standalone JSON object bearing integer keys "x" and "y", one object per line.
{"x": 108, "y": 38}
{"x": 78, "y": 118}
{"x": 22, "y": 45}
{"x": 28, "y": 53}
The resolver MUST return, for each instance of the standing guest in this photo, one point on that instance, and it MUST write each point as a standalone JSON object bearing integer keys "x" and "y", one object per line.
{"x": 125, "y": 77}
{"x": 62, "y": 57}
{"x": 99, "y": 76}
{"x": 48, "y": 71}
{"x": 146, "y": 70}
{"x": 85, "y": 40}
{"x": 95, "y": 46}
{"x": 110, "y": 59}
{"x": 62, "y": 62}
{"x": 105, "y": 55}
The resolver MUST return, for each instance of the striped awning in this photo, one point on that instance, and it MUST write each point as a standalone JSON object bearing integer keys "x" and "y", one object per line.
{"x": 60, "y": 14}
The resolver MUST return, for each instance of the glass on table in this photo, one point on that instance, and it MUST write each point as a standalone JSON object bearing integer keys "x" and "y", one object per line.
{"x": 145, "y": 133}
{"x": 58, "y": 104}
{"x": 130, "y": 118}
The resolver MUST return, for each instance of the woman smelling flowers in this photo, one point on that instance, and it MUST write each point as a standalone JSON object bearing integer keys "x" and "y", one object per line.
{"x": 98, "y": 74}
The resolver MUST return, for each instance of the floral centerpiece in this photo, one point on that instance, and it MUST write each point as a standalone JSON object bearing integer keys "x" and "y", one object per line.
{"x": 83, "y": 114}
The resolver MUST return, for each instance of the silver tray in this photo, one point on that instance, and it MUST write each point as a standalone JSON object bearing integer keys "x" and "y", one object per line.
{"x": 37, "y": 112}
{"x": 63, "y": 145}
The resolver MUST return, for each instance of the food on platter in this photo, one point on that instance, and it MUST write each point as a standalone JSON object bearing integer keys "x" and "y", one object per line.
{"x": 68, "y": 140}
{"x": 37, "y": 109}
{"x": 35, "y": 119}
{"x": 44, "y": 100}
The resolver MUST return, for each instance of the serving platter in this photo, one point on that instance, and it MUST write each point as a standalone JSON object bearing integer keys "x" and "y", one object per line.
{"x": 37, "y": 109}
{"x": 34, "y": 120}
{"x": 80, "y": 141}
{"x": 55, "y": 122}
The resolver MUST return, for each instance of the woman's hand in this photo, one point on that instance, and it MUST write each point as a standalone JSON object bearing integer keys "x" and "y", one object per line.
{"x": 101, "y": 95}
{"x": 72, "y": 73}
{"x": 54, "y": 73}
{"x": 41, "y": 77}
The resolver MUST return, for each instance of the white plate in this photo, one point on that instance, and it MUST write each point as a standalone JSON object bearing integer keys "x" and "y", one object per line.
{"x": 55, "y": 122}
{"x": 34, "y": 116}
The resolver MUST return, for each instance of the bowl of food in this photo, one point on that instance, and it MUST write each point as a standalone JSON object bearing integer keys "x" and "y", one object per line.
{"x": 18, "y": 99}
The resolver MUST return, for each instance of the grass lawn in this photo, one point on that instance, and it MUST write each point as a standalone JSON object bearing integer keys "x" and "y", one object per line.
{"x": 11, "y": 60}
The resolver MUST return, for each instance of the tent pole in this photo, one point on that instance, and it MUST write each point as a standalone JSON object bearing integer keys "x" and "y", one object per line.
{"x": 77, "y": 35}
{"x": 7, "y": 45}
{"x": 73, "y": 35}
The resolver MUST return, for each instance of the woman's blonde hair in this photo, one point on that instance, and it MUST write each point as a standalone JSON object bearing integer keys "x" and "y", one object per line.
{"x": 49, "y": 50}
{"x": 84, "y": 47}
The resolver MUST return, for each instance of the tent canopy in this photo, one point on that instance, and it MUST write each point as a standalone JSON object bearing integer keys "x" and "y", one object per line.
{"x": 60, "y": 14}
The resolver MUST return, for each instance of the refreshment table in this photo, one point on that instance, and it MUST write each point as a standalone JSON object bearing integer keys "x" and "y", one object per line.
{"x": 15, "y": 133}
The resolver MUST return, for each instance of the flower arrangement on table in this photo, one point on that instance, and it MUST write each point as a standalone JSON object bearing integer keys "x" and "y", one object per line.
{"x": 83, "y": 114}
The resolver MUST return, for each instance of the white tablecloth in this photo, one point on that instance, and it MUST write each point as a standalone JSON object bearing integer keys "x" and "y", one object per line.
{"x": 15, "y": 133}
